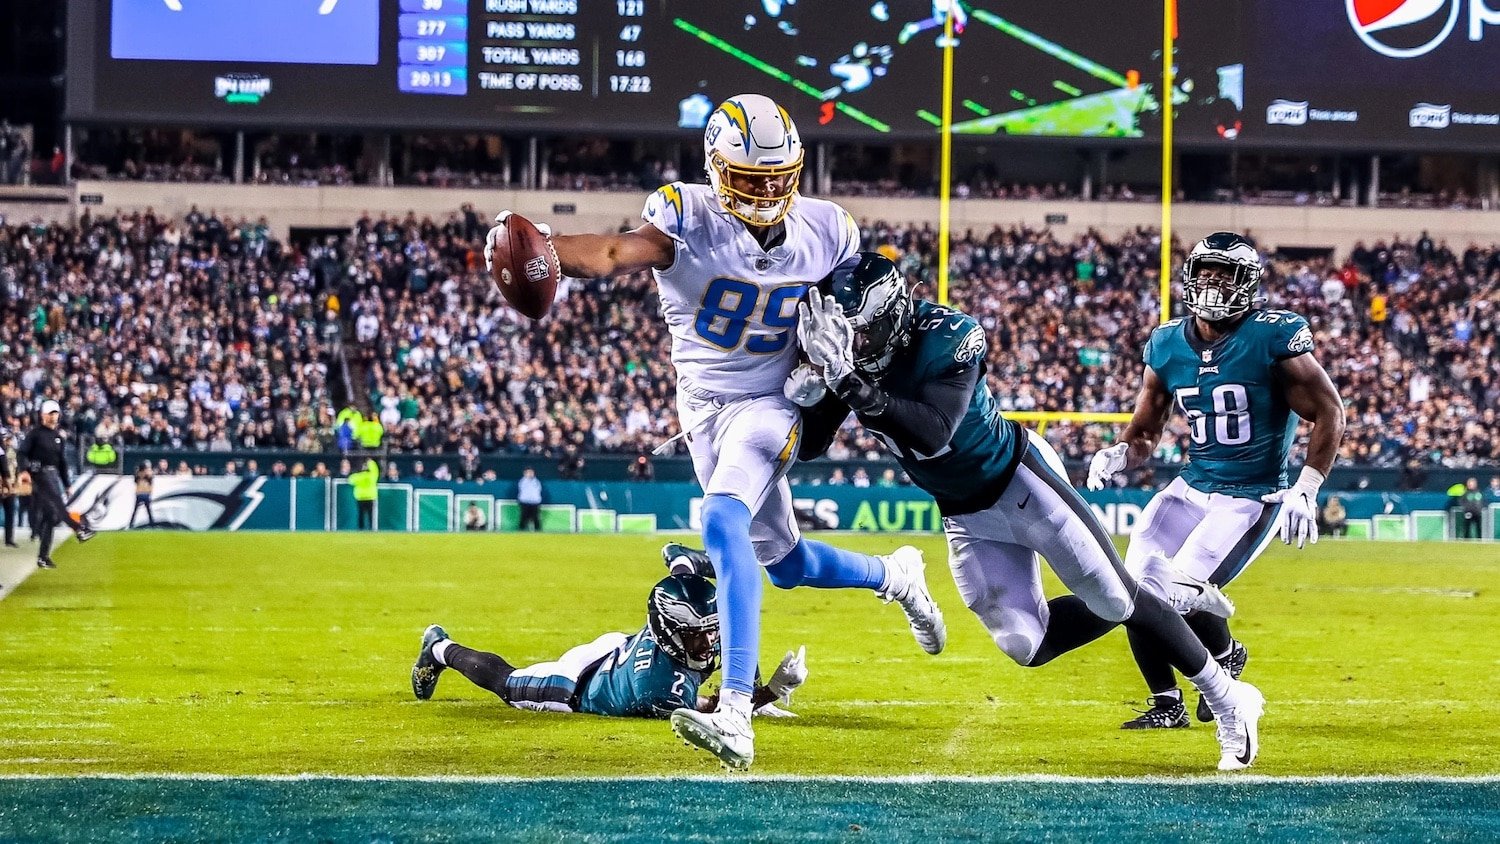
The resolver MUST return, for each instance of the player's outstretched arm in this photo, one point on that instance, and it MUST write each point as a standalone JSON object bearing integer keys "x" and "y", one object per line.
{"x": 1310, "y": 393}
{"x": 602, "y": 255}
{"x": 1153, "y": 407}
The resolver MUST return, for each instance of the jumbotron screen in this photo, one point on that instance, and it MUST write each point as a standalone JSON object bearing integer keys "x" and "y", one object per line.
{"x": 861, "y": 69}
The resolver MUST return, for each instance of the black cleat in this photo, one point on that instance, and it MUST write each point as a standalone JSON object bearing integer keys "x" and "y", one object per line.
{"x": 424, "y": 674}
{"x": 85, "y": 533}
{"x": 45, "y": 563}
{"x": 681, "y": 559}
{"x": 1166, "y": 713}
{"x": 11, "y": 545}
{"x": 1234, "y": 663}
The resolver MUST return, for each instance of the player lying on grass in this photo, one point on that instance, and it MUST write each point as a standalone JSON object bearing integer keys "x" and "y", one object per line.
{"x": 648, "y": 675}
{"x": 1242, "y": 375}
{"x": 913, "y": 374}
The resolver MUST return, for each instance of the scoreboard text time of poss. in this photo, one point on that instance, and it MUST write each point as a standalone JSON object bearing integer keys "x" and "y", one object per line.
{"x": 525, "y": 46}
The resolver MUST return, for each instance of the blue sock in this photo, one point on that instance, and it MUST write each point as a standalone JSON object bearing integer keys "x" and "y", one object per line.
{"x": 726, "y": 537}
{"x": 823, "y": 566}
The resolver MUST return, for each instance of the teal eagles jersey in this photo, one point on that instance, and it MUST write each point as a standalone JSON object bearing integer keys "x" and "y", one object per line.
{"x": 972, "y": 470}
{"x": 1240, "y": 426}
{"x": 639, "y": 680}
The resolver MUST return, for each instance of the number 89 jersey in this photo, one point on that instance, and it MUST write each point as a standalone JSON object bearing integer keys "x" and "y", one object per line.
{"x": 730, "y": 305}
{"x": 1240, "y": 426}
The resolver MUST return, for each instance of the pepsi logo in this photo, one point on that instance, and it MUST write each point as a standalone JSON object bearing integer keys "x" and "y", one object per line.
{"x": 1407, "y": 29}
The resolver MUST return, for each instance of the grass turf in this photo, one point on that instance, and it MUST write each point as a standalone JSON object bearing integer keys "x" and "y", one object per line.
{"x": 281, "y": 653}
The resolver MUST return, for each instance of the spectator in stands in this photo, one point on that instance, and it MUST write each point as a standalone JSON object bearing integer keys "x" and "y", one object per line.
{"x": 132, "y": 294}
{"x": 1335, "y": 520}
{"x": 529, "y": 496}
{"x": 641, "y": 469}
{"x": 474, "y": 518}
{"x": 570, "y": 467}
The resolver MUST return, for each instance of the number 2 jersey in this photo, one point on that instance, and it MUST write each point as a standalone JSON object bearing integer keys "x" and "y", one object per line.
{"x": 639, "y": 680}
{"x": 730, "y": 305}
{"x": 1240, "y": 426}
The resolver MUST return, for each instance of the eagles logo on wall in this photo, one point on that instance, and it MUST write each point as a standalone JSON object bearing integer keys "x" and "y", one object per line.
{"x": 179, "y": 503}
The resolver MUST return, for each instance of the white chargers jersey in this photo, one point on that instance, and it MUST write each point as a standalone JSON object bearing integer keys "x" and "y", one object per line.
{"x": 732, "y": 306}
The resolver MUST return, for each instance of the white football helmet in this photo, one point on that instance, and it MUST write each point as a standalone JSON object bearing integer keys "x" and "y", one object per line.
{"x": 753, "y": 156}
{"x": 1221, "y": 277}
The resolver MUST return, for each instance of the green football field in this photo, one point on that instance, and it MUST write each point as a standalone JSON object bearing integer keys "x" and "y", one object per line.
{"x": 230, "y": 655}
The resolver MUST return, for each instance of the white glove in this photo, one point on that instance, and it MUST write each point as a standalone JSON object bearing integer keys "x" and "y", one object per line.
{"x": 790, "y": 674}
{"x": 1299, "y": 508}
{"x": 1107, "y": 463}
{"x": 826, "y": 336}
{"x": 805, "y": 387}
{"x": 771, "y": 710}
{"x": 498, "y": 230}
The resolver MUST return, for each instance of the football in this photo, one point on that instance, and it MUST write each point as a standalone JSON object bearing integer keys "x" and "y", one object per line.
{"x": 526, "y": 268}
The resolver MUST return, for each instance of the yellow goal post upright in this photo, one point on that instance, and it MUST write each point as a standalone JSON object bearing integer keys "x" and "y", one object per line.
{"x": 1042, "y": 418}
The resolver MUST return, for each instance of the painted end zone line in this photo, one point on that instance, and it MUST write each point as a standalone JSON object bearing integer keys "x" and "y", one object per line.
{"x": 902, "y": 779}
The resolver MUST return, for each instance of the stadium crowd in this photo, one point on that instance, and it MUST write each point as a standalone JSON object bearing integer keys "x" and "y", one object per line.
{"x": 208, "y": 334}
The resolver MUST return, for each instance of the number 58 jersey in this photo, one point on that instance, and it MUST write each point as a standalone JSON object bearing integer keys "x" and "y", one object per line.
{"x": 1239, "y": 424}
{"x": 730, "y": 305}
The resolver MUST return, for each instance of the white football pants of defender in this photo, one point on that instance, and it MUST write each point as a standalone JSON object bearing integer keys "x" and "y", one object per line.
{"x": 742, "y": 447}
{"x": 994, "y": 555}
{"x": 559, "y": 678}
{"x": 1205, "y": 535}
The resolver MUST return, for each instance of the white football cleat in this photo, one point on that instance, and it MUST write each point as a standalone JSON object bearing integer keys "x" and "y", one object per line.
{"x": 1189, "y": 594}
{"x": 1238, "y": 731}
{"x": 906, "y": 584}
{"x": 725, "y": 733}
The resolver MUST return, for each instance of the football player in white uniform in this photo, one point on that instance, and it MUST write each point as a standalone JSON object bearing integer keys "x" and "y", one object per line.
{"x": 732, "y": 260}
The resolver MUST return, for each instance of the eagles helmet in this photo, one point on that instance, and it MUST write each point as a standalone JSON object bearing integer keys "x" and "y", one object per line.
{"x": 876, "y": 301}
{"x": 683, "y": 614}
{"x": 753, "y": 156}
{"x": 1230, "y": 287}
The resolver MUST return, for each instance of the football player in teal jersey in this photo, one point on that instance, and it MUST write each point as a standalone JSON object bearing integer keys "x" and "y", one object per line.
{"x": 913, "y": 374}
{"x": 648, "y": 675}
{"x": 1242, "y": 375}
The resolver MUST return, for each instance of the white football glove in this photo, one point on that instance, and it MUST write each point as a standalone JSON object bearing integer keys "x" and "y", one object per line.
{"x": 1299, "y": 508}
{"x": 826, "y": 336}
{"x": 805, "y": 387}
{"x": 489, "y": 239}
{"x": 1107, "y": 463}
{"x": 790, "y": 674}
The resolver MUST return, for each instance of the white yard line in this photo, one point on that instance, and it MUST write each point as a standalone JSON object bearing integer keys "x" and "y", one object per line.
{"x": 902, "y": 779}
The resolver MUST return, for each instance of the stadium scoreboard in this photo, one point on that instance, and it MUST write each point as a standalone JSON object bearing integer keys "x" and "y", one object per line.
{"x": 1262, "y": 72}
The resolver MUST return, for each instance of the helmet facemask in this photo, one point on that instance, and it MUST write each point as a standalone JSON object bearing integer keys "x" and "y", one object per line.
{"x": 761, "y": 196}
{"x": 1218, "y": 291}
